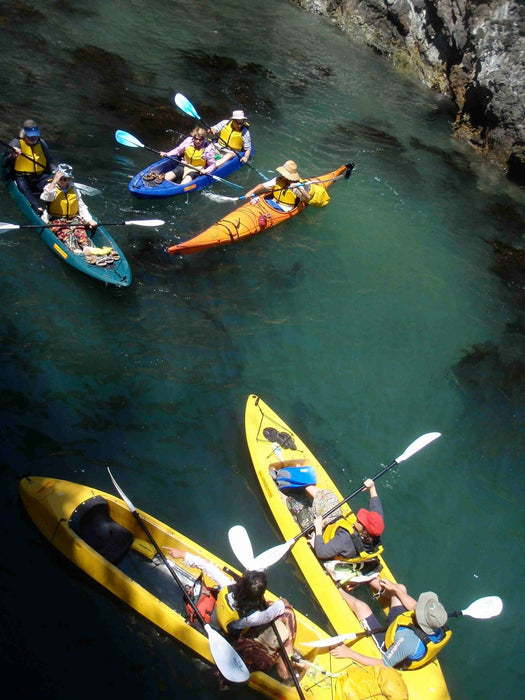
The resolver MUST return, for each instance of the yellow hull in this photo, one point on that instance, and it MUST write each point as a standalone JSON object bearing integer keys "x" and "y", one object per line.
{"x": 51, "y": 503}
{"x": 426, "y": 683}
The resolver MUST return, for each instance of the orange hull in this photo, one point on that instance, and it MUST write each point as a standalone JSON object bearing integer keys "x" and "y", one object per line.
{"x": 253, "y": 217}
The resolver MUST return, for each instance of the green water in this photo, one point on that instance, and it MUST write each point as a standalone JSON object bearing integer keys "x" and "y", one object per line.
{"x": 349, "y": 321}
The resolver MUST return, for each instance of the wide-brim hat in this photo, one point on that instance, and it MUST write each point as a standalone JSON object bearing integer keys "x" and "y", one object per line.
{"x": 66, "y": 169}
{"x": 238, "y": 115}
{"x": 430, "y": 613}
{"x": 289, "y": 171}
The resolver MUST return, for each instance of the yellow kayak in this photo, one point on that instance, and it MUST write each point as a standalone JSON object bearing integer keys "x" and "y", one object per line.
{"x": 121, "y": 559}
{"x": 426, "y": 683}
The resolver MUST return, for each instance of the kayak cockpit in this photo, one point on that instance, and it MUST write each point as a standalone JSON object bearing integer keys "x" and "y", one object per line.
{"x": 92, "y": 522}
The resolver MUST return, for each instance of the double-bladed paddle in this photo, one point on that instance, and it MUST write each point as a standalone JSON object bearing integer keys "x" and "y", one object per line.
{"x": 136, "y": 222}
{"x": 126, "y": 139}
{"x": 273, "y": 555}
{"x": 227, "y": 659}
{"x": 481, "y": 609}
{"x": 186, "y": 106}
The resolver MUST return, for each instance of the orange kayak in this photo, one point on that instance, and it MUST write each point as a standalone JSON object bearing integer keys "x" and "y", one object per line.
{"x": 251, "y": 218}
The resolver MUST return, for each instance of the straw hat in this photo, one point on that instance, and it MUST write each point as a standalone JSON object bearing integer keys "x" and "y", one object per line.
{"x": 289, "y": 171}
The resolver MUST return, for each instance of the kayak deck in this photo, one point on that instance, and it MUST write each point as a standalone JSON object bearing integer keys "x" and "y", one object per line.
{"x": 427, "y": 682}
{"x": 253, "y": 217}
{"x": 116, "y": 273}
{"x": 143, "y": 581}
{"x": 143, "y": 187}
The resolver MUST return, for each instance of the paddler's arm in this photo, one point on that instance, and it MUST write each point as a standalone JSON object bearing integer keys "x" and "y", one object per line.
{"x": 261, "y": 188}
{"x": 343, "y": 652}
{"x": 340, "y": 542}
{"x": 375, "y": 501}
{"x": 196, "y": 562}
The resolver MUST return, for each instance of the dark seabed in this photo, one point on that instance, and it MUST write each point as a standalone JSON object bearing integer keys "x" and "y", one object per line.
{"x": 395, "y": 311}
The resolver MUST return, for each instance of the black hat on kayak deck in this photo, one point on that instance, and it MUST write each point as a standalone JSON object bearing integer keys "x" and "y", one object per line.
{"x": 30, "y": 128}
{"x": 289, "y": 171}
{"x": 430, "y": 614}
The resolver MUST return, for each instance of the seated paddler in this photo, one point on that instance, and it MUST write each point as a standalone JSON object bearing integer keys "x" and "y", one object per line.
{"x": 198, "y": 158}
{"x": 416, "y": 629}
{"x": 286, "y": 189}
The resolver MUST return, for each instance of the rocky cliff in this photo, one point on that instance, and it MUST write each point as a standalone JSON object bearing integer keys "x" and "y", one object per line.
{"x": 472, "y": 51}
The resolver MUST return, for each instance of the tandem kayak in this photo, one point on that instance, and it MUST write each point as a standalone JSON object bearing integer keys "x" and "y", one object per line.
{"x": 98, "y": 532}
{"x": 251, "y": 218}
{"x": 274, "y": 446}
{"x": 145, "y": 188}
{"x": 116, "y": 272}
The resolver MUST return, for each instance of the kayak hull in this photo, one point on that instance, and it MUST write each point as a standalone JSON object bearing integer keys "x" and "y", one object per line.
{"x": 251, "y": 218}
{"x": 51, "y": 503}
{"x": 427, "y": 682}
{"x": 117, "y": 274}
{"x": 149, "y": 189}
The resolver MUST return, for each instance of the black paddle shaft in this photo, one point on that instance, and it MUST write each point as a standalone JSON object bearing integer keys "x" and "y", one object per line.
{"x": 288, "y": 661}
{"x": 175, "y": 160}
{"x": 166, "y": 562}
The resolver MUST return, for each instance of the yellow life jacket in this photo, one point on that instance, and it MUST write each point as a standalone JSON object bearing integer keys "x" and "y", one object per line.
{"x": 283, "y": 194}
{"x": 65, "y": 204}
{"x": 231, "y": 138}
{"x": 371, "y": 682}
{"x": 225, "y": 612}
{"x": 332, "y": 528}
{"x": 408, "y": 619}
{"x": 36, "y": 165}
{"x": 195, "y": 156}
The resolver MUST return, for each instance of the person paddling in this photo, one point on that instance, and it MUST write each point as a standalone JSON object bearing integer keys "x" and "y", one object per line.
{"x": 198, "y": 158}
{"x": 416, "y": 631}
{"x": 233, "y": 138}
{"x": 285, "y": 190}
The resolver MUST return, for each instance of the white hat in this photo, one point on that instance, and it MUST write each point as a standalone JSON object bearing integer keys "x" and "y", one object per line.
{"x": 238, "y": 115}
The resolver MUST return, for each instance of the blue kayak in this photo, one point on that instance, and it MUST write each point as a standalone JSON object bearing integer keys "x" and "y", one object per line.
{"x": 145, "y": 188}
{"x": 117, "y": 272}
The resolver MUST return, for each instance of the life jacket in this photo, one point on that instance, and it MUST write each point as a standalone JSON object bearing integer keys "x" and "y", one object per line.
{"x": 65, "y": 204}
{"x": 36, "y": 165}
{"x": 226, "y": 613}
{"x": 195, "y": 156}
{"x": 204, "y": 598}
{"x": 371, "y": 682}
{"x": 231, "y": 138}
{"x": 433, "y": 643}
{"x": 362, "y": 553}
{"x": 283, "y": 194}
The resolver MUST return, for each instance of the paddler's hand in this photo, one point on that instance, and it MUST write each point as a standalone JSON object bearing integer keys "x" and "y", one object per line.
{"x": 174, "y": 553}
{"x": 341, "y": 652}
{"x": 318, "y": 525}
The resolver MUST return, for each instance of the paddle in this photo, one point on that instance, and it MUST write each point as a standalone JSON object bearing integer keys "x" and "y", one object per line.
{"x": 481, "y": 609}
{"x": 227, "y": 659}
{"x": 90, "y": 191}
{"x": 137, "y": 222}
{"x": 126, "y": 139}
{"x": 273, "y": 555}
{"x": 288, "y": 661}
{"x": 346, "y": 175}
{"x": 186, "y": 106}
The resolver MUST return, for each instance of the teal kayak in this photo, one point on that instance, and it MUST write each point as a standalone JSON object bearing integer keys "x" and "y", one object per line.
{"x": 116, "y": 273}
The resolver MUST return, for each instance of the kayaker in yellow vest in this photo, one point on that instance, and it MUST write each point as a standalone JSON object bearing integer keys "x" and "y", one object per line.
{"x": 339, "y": 538}
{"x": 244, "y": 614}
{"x": 233, "y": 138}
{"x": 285, "y": 190}
{"x": 416, "y": 630}
{"x": 196, "y": 151}
{"x": 66, "y": 206}
{"x": 30, "y": 163}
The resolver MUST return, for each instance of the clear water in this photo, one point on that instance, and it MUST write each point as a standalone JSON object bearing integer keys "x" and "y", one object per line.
{"x": 349, "y": 321}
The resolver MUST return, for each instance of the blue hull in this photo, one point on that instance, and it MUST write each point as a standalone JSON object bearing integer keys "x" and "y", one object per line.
{"x": 146, "y": 189}
{"x": 117, "y": 274}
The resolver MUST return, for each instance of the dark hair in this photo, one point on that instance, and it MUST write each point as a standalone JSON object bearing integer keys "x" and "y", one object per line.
{"x": 249, "y": 592}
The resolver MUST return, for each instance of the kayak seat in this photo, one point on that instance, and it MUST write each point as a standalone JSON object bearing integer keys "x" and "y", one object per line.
{"x": 92, "y": 522}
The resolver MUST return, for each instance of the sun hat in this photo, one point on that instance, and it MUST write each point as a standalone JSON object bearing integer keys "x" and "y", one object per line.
{"x": 66, "y": 169}
{"x": 30, "y": 128}
{"x": 430, "y": 614}
{"x": 238, "y": 115}
{"x": 373, "y": 522}
{"x": 289, "y": 171}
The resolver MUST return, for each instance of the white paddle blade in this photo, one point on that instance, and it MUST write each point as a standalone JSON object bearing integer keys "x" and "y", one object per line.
{"x": 417, "y": 445}
{"x": 121, "y": 492}
{"x": 226, "y": 658}
{"x": 484, "y": 608}
{"x": 330, "y": 641}
{"x": 271, "y": 556}
{"x": 145, "y": 222}
{"x": 87, "y": 189}
{"x": 8, "y": 227}
{"x": 241, "y": 546}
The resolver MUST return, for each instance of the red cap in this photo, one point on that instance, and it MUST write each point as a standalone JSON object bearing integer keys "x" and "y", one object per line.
{"x": 373, "y": 522}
